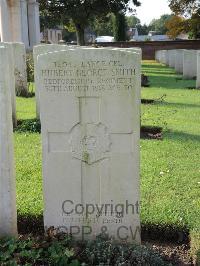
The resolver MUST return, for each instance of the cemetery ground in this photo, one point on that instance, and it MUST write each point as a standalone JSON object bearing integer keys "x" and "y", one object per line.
{"x": 170, "y": 164}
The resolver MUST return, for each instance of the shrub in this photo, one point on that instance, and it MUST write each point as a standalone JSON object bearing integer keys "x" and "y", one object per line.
{"x": 60, "y": 249}
{"x": 29, "y": 125}
{"x": 30, "y": 67}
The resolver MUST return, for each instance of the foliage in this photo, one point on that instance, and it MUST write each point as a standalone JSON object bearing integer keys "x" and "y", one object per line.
{"x": 159, "y": 25}
{"x": 103, "y": 251}
{"x": 68, "y": 36}
{"x": 81, "y": 12}
{"x": 191, "y": 10}
{"x": 184, "y": 7}
{"x": 194, "y": 26}
{"x": 175, "y": 26}
{"x": 103, "y": 25}
{"x": 48, "y": 250}
{"x": 143, "y": 29}
{"x": 30, "y": 67}
{"x": 132, "y": 21}
{"x": 120, "y": 27}
{"x": 60, "y": 249}
{"x": 30, "y": 125}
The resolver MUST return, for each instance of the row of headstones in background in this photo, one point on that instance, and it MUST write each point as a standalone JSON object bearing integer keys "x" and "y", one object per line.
{"x": 184, "y": 61}
{"x": 17, "y": 72}
{"x": 8, "y": 216}
{"x": 89, "y": 109}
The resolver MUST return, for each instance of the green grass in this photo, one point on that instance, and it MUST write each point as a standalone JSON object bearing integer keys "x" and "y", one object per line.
{"x": 170, "y": 169}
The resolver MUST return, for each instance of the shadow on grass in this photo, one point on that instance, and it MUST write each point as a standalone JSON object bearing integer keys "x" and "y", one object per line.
{"x": 169, "y": 82}
{"x": 181, "y": 136}
{"x": 159, "y": 72}
{"x": 31, "y": 224}
{"x": 179, "y": 105}
{"x": 166, "y": 233}
{"x": 157, "y": 66}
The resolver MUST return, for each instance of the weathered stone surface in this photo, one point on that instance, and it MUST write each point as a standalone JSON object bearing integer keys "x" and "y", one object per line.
{"x": 19, "y": 53}
{"x": 165, "y": 57}
{"x": 179, "y": 61}
{"x": 190, "y": 64}
{"x": 172, "y": 57}
{"x": 11, "y": 79}
{"x": 89, "y": 100}
{"x": 8, "y": 216}
{"x": 38, "y": 50}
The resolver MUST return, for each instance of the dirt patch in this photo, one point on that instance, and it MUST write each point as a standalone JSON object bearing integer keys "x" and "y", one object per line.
{"x": 150, "y": 132}
{"x": 172, "y": 243}
{"x": 30, "y": 225}
{"x": 173, "y": 253}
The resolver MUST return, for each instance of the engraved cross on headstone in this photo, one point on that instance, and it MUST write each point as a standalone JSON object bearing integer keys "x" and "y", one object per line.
{"x": 90, "y": 140}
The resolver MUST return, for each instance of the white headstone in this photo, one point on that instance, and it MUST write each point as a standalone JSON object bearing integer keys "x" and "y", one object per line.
{"x": 161, "y": 56}
{"x": 158, "y": 56}
{"x": 33, "y": 22}
{"x": 165, "y": 57}
{"x": 8, "y": 216}
{"x": 179, "y": 61}
{"x": 19, "y": 53}
{"x": 38, "y": 50}
{"x": 189, "y": 64}
{"x": 11, "y": 79}
{"x": 90, "y": 101}
{"x": 172, "y": 56}
{"x": 198, "y": 71}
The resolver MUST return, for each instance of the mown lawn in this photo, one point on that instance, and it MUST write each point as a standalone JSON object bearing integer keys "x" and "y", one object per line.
{"x": 170, "y": 168}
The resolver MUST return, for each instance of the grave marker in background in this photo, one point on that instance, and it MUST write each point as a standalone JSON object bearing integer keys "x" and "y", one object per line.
{"x": 19, "y": 53}
{"x": 189, "y": 64}
{"x": 172, "y": 57}
{"x": 179, "y": 61}
{"x": 11, "y": 80}
{"x": 8, "y": 215}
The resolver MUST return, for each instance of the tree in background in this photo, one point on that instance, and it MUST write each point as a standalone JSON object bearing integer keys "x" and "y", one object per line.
{"x": 194, "y": 26}
{"x": 184, "y": 7}
{"x": 159, "y": 25}
{"x": 191, "y": 10}
{"x": 103, "y": 25}
{"x": 132, "y": 21}
{"x": 120, "y": 27}
{"x": 175, "y": 26}
{"x": 81, "y": 12}
{"x": 143, "y": 29}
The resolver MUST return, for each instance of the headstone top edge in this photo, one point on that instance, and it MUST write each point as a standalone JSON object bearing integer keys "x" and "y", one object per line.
{"x": 126, "y": 52}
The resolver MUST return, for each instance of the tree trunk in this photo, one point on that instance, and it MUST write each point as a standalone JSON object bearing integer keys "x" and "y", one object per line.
{"x": 80, "y": 35}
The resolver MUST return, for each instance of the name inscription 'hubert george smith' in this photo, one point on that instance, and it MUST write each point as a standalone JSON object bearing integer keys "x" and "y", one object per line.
{"x": 96, "y": 76}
